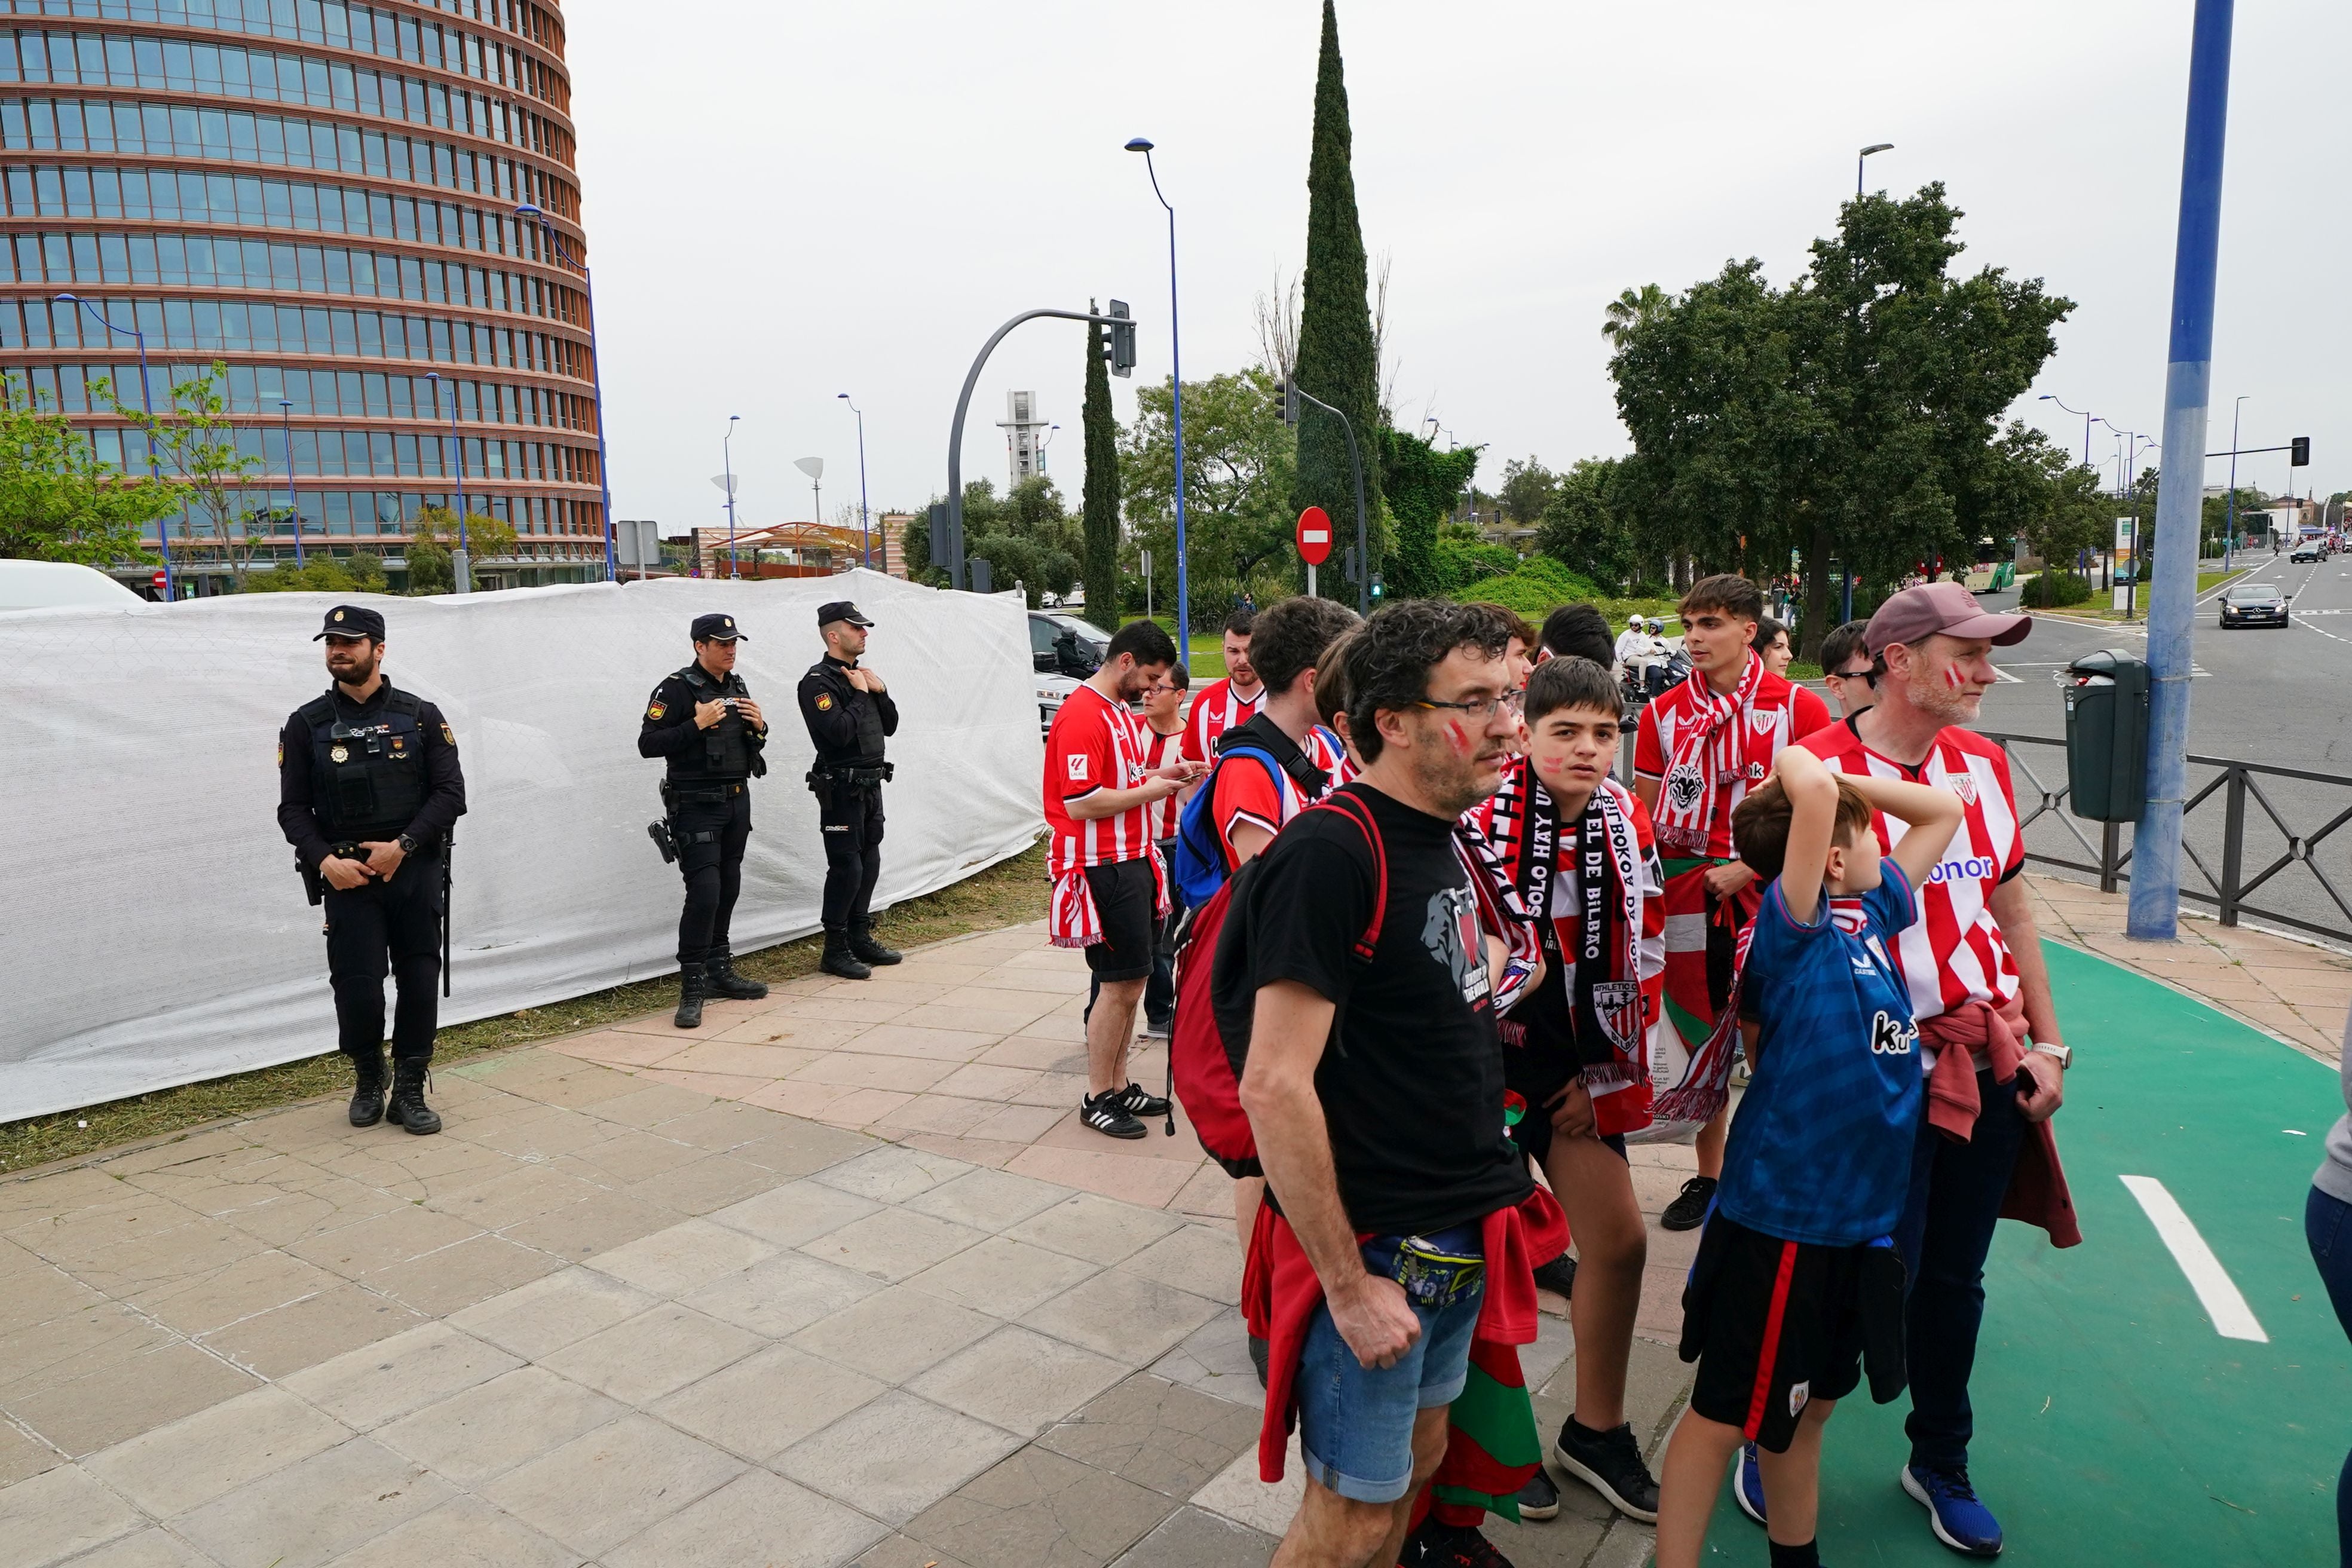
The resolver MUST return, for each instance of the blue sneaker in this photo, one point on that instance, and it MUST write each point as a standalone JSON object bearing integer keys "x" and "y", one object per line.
{"x": 1958, "y": 1520}
{"x": 1748, "y": 1484}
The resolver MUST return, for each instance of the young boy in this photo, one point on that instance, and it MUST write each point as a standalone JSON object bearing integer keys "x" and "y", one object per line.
{"x": 1796, "y": 1271}
{"x": 1577, "y": 848}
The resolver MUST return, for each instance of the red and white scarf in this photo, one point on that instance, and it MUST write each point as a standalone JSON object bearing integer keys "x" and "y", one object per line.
{"x": 1709, "y": 755}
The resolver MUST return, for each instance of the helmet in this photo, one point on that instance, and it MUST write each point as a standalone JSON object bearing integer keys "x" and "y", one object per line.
{"x": 1633, "y": 620}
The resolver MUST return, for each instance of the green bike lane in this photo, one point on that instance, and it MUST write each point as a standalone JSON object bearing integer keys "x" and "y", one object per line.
{"x": 2114, "y": 1424}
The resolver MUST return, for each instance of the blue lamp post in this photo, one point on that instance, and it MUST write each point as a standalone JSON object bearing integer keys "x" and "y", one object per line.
{"x": 285, "y": 419}
{"x": 461, "y": 564}
{"x": 1176, "y": 384}
{"x": 146, "y": 401}
{"x": 532, "y": 214}
{"x": 865, "y": 523}
{"x": 726, "y": 462}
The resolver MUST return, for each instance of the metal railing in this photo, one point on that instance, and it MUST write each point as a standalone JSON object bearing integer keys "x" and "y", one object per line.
{"x": 2321, "y": 910}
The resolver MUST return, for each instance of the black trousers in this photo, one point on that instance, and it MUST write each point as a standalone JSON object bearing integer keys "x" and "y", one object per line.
{"x": 387, "y": 928}
{"x": 852, "y": 822}
{"x": 713, "y": 869}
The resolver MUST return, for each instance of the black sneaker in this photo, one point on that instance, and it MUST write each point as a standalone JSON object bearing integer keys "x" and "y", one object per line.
{"x": 1689, "y": 1211}
{"x": 1610, "y": 1464}
{"x": 1138, "y": 1100}
{"x": 1558, "y": 1277}
{"x": 1439, "y": 1545}
{"x": 1107, "y": 1116}
{"x": 1538, "y": 1499}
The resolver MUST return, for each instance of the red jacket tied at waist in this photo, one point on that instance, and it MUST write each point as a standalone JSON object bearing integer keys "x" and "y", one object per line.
{"x": 2037, "y": 1188}
{"x": 1280, "y": 1291}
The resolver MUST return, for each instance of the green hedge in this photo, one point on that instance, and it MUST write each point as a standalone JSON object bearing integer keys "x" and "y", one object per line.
{"x": 1538, "y": 587}
{"x": 2054, "y": 590}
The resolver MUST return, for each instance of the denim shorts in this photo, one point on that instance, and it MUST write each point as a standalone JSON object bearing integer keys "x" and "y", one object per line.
{"x": 1355, "y": 1422}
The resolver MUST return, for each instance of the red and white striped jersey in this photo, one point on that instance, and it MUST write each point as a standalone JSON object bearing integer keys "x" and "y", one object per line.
{"x": 1159, "y": 748}
{"x": 1217, "y": 709}
{"x": 1095, "y": 743}
{"x": 1248, "y": 794}
{"x": 1955, "y": 953}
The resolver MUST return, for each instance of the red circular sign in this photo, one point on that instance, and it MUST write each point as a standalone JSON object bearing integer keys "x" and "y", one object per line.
{"x": 1313, "y": 533}
{"x": 159, "y": 579}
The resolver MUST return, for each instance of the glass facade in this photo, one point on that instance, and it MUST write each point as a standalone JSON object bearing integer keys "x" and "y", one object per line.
{"x": 321, "y": 196}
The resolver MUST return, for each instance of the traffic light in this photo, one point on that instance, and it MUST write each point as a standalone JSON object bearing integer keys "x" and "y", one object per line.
{"x": 1347, "y": 564}
{"x": 1378, "y": 588}
{"x": 1122, "y": 341}
{"x": 2298, "y": 452}
{"x": 1288, "y": 391}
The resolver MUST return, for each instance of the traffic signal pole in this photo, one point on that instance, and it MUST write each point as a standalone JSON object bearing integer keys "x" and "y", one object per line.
{"x": 1291, "y": 390}
{"x": 2154, "y": 912}
{"x": 1122, "y": 361}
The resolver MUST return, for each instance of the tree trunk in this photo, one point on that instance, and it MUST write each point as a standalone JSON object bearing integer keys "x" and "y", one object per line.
{"x": 1817, "y": 593}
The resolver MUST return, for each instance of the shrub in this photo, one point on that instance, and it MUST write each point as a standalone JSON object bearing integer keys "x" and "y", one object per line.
{"x": 2054, "y": 590}
{"x": 1536, "y": 587}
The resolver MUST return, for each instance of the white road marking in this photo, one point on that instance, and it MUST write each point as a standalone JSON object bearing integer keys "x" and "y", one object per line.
{"x": 2232, "y": 1319}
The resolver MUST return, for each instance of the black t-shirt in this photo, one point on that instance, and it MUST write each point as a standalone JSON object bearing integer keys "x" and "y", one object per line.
{"x": 1412, "y": 1083}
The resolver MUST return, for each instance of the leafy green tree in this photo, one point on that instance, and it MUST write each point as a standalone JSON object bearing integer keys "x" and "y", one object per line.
{"x": 1527, "y": 489}
{"x": 431, "y": 558}
{"x": 362, "y": 572}
{"x": 1423, "y": 486}
{"x": 1099, "y": 503}
{"x": 196, "y": 450}
{"x": 1338, "y": 358}
{"x": 60, "y": 500}
{"x": 1585, "y": 526}
{"x": 1852, "y": 415}
{"x": 1239, "y": 477}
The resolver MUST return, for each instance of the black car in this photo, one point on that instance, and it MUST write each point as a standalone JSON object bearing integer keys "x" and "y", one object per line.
{"x": 2310, "y": 550}
{"x": 2253, "y": 604}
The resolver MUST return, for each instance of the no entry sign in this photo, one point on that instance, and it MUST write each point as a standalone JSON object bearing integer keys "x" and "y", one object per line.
{"x": 1314, "y": 536}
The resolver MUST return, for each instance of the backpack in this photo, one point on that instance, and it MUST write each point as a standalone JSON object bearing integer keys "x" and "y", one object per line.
{"x": 1210, "y": 1044}
{"x": 1200, "y": 861}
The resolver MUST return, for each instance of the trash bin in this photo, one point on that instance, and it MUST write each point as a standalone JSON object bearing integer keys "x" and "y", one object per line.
{"x": 2106, "y": 736}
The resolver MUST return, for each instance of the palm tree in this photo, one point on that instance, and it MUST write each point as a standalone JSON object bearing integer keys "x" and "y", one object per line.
{"x": 1630, "y": 309}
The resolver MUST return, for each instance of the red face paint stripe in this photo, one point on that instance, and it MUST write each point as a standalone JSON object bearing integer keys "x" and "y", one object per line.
{"x": 1769, "y": 1358}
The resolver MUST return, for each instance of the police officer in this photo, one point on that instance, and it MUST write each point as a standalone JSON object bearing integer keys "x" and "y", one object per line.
{"x": 703, "y": 721}
{"x": 368, "y": 789}
{"x": 849, "y": 714}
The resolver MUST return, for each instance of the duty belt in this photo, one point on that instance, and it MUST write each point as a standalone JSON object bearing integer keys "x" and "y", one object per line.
{"x": 674, "y": 795}
{"x": 855, "y": 778}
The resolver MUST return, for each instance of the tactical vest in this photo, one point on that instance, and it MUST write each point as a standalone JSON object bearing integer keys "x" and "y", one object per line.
{"x": 725, "y": 752}
{"x": 870, "y": 738}
{"x": 367, "y": 780}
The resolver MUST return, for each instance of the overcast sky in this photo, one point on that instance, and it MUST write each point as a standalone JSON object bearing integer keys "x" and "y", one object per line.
{"x": 788, "y": 202}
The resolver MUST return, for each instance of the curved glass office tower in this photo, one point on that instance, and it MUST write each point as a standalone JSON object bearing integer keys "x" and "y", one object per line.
{"x": 320, "y": 195}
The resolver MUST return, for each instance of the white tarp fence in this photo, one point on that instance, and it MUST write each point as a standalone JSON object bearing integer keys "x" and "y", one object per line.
{"x": 152, "y": 929}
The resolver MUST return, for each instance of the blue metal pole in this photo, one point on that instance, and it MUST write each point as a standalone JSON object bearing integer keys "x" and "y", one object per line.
{"x": 2154, "y": 914}
{"x": 1176, "y": 384}
{"x": 147, "y": 402}
{"x": 285, "y": 417}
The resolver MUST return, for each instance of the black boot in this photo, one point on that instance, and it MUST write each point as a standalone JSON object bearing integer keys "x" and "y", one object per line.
{"x": 367, "y": 1098}
{"x": 869, "y": 951}
{"x": 408, "y": 1108}
{"x": 693, "y": 985}
{"x": 839, "y": 960}
{"x": 724, "y": 982}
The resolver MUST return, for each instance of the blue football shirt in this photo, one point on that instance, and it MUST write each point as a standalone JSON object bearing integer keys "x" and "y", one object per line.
{"x": 1820, "y": 1149}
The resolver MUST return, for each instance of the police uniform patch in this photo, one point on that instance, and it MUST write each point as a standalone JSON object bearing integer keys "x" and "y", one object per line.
{"x": 825, "y": 702}
{"x": 338, "y": 754}
{"x": 656, "y": 709}
{"x": 447, "y": 736}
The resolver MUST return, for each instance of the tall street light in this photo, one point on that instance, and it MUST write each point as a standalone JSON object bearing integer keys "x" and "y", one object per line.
{"x": 1866, "y": 152}
{"x": 2230, "y": 529}
{"x": 864, "y": 522}
{"x": 1176, "y": 384}
{"x": 2087, "y": 417}
{"x": 727, "y": 457}
{"x": 147, "y": 402}
{"x": 461, "y": 564}
{"x": 532, "y": 214}
{"x": 285, "y": 417}
{"x": 814, "y": 468}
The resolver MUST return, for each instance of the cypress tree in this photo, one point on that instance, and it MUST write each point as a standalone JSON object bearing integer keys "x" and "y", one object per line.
{"x": 1099, "y": 503}
{"x": 1337, "y": 361}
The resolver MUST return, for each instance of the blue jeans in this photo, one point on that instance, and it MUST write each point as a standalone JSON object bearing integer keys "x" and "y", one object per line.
{"x": 1355, "y": 1422}
{"x": 2327, "y": 1227}
{"x": 1945, "y": 1235}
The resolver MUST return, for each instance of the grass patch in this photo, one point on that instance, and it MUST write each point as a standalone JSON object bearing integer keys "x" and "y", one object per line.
{"x": 1009, "y": 893}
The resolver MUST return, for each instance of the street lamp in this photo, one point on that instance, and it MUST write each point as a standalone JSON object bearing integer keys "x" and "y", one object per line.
{"x": 2230, "y": 529}
{"x": 285, "y": 417}
{"x": 461, "y": 564}
{"x": 1866, "y": 152}
{"x": 865, "y": 523}
{"x": 727, "y": 457}
{"x": 1176, "y": 386}
{"x": 530, "y": 213}
{"x": 147, "y": 402}
{"x": 1043, "y": 442}
{"x": 814, "y": 468}
{"x": 2087, "y": 417}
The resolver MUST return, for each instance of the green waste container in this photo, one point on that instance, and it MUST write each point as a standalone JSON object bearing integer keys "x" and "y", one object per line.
{"x": 2106, "y": 736}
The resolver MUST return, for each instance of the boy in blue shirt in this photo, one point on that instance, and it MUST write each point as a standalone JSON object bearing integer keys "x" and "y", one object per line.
{"x": 1795, "y": 1270}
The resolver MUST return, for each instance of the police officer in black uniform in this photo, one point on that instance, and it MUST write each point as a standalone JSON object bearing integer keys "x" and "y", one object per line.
{"x": 368, "y": 789}
{"x": 849, "y": 714}
{"x": 702, "y": 720}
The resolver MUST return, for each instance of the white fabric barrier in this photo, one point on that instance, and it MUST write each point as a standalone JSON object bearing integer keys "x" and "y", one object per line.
{"x": 153, "y": 927}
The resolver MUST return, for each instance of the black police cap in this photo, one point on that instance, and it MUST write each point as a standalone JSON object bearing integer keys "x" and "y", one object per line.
{"x": 352, "y": 621}
{"x": 841, "y": 610}
{"x": 717, "y": 629}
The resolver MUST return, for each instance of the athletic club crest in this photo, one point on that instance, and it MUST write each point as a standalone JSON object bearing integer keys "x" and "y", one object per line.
{"x": 1964, "y": 784}
{"x": 1617, "y": 1004}
{"x": 1684, "y": 787}
{"x": 1763, "y": 720}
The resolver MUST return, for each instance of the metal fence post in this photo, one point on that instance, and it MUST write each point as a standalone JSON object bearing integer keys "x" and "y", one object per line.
{"x": 2234, "y": 842}
{"x": 2110, "y": 843}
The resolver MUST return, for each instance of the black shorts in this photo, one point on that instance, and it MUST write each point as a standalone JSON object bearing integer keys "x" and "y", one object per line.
{"x": 1774, "y": 1324}
{"x": 1127, "y": 901}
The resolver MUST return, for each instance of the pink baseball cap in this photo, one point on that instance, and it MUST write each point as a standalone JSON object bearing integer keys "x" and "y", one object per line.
{"x": 1915, "y": 615}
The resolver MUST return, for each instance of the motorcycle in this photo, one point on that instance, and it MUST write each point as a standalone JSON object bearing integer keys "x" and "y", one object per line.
{"x": 1655, "y": 677}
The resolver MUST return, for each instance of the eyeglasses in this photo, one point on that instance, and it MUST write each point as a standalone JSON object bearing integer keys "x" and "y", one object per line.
{"x": 1847, "y": 675}
{"x": 1483, "y": 708}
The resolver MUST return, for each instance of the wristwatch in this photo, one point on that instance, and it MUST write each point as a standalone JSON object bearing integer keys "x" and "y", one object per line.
{"x": 2062, "y": 1055}
{"x": 407, "y": 845}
